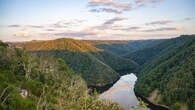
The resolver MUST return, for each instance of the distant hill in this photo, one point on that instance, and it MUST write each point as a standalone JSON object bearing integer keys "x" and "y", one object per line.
{"x": 97, "y": 66}
{"x": 99, "y": 42}
{"x": 122, "y": 48}
{"x": 169, "y": 77}
{"x": 58, "y": 44}
{"x": 148, "y": 53}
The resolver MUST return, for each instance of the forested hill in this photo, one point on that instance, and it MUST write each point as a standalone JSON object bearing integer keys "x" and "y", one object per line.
{"x": 148, "y": 53}
{"x": 28, "y": 82}
{"x": 121, "y": 47}
{"x": 84, "y": 58}
{"x": 58, "y": 44}
{"x": 169, "y": 78}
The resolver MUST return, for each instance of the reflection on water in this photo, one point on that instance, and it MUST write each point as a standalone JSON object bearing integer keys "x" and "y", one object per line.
{"x": 122, "y": 92}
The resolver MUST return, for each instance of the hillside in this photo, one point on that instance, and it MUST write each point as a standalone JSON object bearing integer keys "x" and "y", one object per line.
{"x": 148, "y": 53}
{"x": 28, "y": 82}
{"x": 169, "y": 78}
{"x": 121, "y": 48}
{"x": 58, "y": 44}
{"x": 119, "y": 64}
{"x": 83, "y": 58}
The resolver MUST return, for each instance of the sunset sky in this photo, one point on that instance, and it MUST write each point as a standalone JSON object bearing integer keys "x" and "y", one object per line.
{"x": 24, "y": 20}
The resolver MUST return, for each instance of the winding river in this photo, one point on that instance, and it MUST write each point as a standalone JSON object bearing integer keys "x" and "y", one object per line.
{"x": 122, "y": 92}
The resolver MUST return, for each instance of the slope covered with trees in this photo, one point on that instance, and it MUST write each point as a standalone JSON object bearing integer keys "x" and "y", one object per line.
{"x": 122, "y": 48}
{"x": 169, "y": 77}
{"x": 28, "y": 82}
{"x": 58, "y": 44}
{"x": 119, "y": 64}
{"x": 97, "y": 66}
{"x": 92, "y": 70}
{"x": 148, "y": 53}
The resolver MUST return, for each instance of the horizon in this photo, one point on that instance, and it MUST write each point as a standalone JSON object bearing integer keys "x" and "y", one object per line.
{"x": 23, "y": 20}
{"x": 93, "y": 40}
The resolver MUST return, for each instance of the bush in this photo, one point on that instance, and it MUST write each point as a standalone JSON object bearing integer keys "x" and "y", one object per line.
{"x": 16, "y": 102}
{"x": 176, "y": 106}
{"x": 35, "y": 87}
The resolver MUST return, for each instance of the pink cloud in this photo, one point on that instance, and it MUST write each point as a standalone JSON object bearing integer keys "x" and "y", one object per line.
{"x": 162, "y": 22}
{"x": 108, "y": 10}
{"x": 14, "y": 25}
{"x": 110, "y": 3}
{"x": 151, "y": 1}
{"x": 165, "y": 29}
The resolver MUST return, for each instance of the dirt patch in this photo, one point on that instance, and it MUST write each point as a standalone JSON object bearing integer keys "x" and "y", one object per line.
{"x": 155, "y": 96}
{"x": 184, "y": 107}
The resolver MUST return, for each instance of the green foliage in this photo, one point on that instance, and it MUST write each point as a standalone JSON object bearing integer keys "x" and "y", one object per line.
{"x": 34, "y": 86}
{"x": 97, "y": 67}
{"x": 147, "y": 54}
{"x": 49, "y": 83}
{"x": 172, "y": 73}
{"x": 176, "y": 106}
{"x": 94, "y": 71}
{"x": 63, "y": 66}
{"x": 122, "y": 48}
{"x": 142, "y": 103}
{"x": 119, "y": 64}
{"x": 3, "y": 44}
{"x": 16, "y": 102}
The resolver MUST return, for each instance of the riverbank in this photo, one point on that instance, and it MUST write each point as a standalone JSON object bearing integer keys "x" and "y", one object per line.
{"x": 122, "y": 92}
{"x": 101, "y": 89}
{"x": 151, "y": 105}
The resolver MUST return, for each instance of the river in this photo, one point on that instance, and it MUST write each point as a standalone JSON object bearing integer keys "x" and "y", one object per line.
{"x": 122, "y": 92}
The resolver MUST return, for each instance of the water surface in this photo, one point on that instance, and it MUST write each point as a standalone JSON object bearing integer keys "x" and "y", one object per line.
{"x": 122, "y": 92}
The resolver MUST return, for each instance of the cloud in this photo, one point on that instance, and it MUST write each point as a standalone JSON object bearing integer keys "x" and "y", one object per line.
{"x": 60, "y": 24}
{"x": 113, "y": 20}
{"x": 66, "y": 24}
{"x": 163, "y": 22}
{"x": 118, "y": 7}
{"x": 115, "y": 4}
{"x": 148, "y": 1}
{"x": 14, "y": 25}
{"x": 108, "y": 24}
{"x": 22, "y": 34}
{"x": 165, "y": 29}
{"x": 77, "y": 34}
{"x": 108, "y": 10}
{"x": 143, "y": 3}
{"x": 109, "y": 6}
{"x": 133, "y": 28}
{"x": 35, "y": 26}
{"x": 50, "y": 29}
{"x": 30, "y": 26}
{"x": 187, "y": 19}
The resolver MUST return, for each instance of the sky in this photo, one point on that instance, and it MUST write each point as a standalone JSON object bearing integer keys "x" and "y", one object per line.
{"x": 25, "y": 20}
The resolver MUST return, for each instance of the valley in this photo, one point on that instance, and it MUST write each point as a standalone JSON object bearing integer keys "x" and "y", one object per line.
{"x": 97, "y": 55}
{"x": 164, "y": 68}
{"x": 98, "y": 67}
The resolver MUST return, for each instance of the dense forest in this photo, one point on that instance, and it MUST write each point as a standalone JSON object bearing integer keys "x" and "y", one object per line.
{"x": 119, "y": 64}
{"x": 148, "y": 53}
{"x": 169, "y": 76}
{"x": 122, "y": 48}
{"x": 165, "y": 68}
{"x": 28, "y": 82}
{"x": 98, "y": 67}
